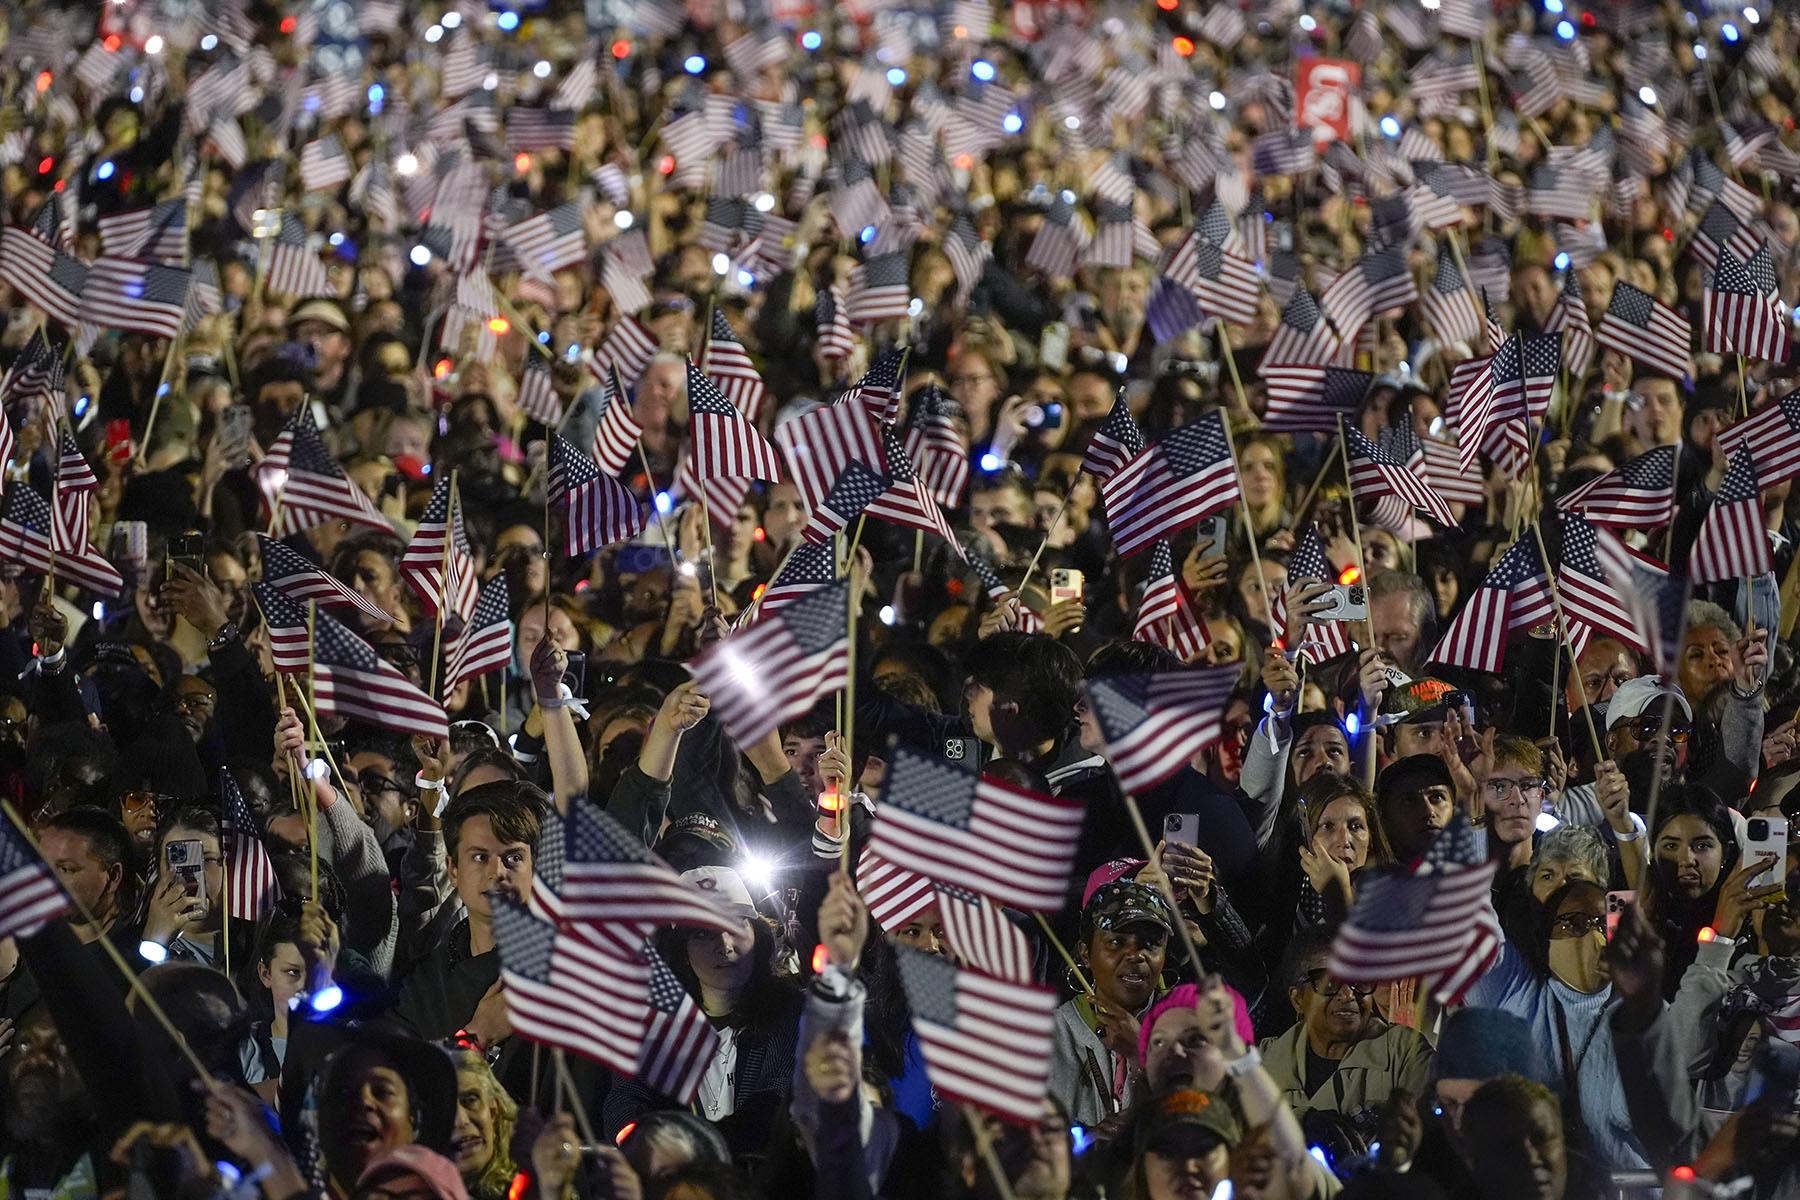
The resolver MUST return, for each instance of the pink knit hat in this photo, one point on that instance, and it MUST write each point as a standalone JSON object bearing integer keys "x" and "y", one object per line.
{"x": 1187, "y": 996}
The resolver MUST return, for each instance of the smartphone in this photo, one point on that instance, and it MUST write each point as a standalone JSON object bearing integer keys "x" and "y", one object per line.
{"x": 1211, "y": 534}
{"x": 185, "y": 550}
{"x": 1053, "y": 347}
{"x": 127, "y": 547}
{"x": 1769, "y": 835}
{"x": 187, "y": 860}
{"x": 118, "y": 440}
{"x": 574, "y": 675}
{"x": 1183, "y": 828}
{"x": 1065, "y": 584}
{"x": 1348, "y": 603}
{"x": 235, "y": 424}
{"x": 1616, "y": 904}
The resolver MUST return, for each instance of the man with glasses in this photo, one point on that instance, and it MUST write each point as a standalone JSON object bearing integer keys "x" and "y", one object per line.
{"x": 1342, "y": 1055}
{"x": 1513, "y": 789}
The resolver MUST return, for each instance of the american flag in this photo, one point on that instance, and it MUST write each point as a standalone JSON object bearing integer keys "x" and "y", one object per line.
{"x": 324, "y": 167}
{"x": 295, "y": 268}
{"x": 1304, "y": 336}
{"x": 905, "y": 501}
{"x": 1057, "y": 248}
{"x": 1448, "y": 305}
{"x": 1558, "y": 192}
{"x": 1283, "y": 152}
{"x": 986, "y": 1041}
{"x": 440, "y": 541}
{"x": 284, "y": 567}
{"x": 878, "y": 390}
{"x": 856, "y": 487}
{"x": 609, "y": 875}
{"x": 1225, "y": 285}
{"x": 1587, "y": 593}
{"x": 934, "y": 441}
{"x": 1375, "y": 283}
{"x": 1639, "y": 494}
{"x": 724, "y": 445}
{"x": 1569, "y": 317}
{"x": 537, "y": 392}
{"x": 77, "y": 560}
{"x": 587, "y": 995}
{"x": 143, "y": 297}
{"x": 349, "y": 679}
{"x": 1513, "y": 596}
{"x": 810, "y": 567}
{"x": 1451, "y": 480}
{"x": 773, "y": 671}
{"x": 617, "y": 432}
{"x": 250, "y": 882}
{"x": 967, "y": 252}
{"x": 1154, "y": 723}
{"x": 880, "y": 289}
{"x": 981, "y": 936}
{"x": 679, "y": 1042}
{"x": 533, "y": 129}
{"x": 1722, "y": 230}
{"x": 1320, "y": 640}
{"x": 629, "y": 347}
{"x": 598, "y": 510}
{"x": 895, "y": 895}
{"x": 159, "y": 231}
{"x": 1165, "y": 615}
{"x": 485, "y": 643}
{"x": 1115, "y": 443}
{"x": 315, "y": 489}
{"x": 1173, "y": 484}
{"x": 45, "y": 275}
{"x": 726, "y": 362}
{"x": 1524, "y": 375}
{"x": 1739, "y": 316}
{"x": 1733, "y": 541}
{"x": 37, "y": 373}
{"x": 1639, "y": 326}
{"x": 1772, "y": 436}
{"x": 831, "y": 324}
{"x": 1312, "y": 399}
{"x": 25, "y": 529}
{"x": 1437, "y": 921}
{"x": 1640, "y": 581}
{"x": 550, "y": 241}
{"x": 30, "y": 896}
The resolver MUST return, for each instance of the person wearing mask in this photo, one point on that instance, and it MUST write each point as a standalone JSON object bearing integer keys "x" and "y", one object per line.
{"x": 1124, "y": 940}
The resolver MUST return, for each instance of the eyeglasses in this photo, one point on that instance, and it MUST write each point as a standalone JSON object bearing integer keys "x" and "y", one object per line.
{"x": 1646, "y": 728}
{"x": 1574, "y": 925}
{"x": 191, "y": 701}
{"x": 1533, "y": 790}
{"x": 1322, "y": 982}
{"x": 374, "y": 783}
{"x": 134, "y": 802}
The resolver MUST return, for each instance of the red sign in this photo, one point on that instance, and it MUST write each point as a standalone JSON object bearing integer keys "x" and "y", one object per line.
{"x": 1323, "y": 88}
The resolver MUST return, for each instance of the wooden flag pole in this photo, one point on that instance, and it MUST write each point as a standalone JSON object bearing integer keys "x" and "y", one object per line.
{"x": 1031, "y": 567}
{"x": 1300, "y": 513}
{"x": 575, "y": 1102}
{"x": 1244, "y": 509}
{"x": 312, "y": 725}
{"x": 985, "y": 1145}
{"x": 847, "y": 722}
{"x": 1561, "y": 634}
{"x": 1362, "y": 576}
{"x": 1163, "y": 885}
{"x": 132, "y": 981}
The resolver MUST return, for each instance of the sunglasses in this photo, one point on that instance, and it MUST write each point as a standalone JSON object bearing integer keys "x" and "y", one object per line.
{"x": 1321, "y": 981}
{"x": 135, "y": 802}
{"x": 1574, "y": 925}
{"x": 1646, "y": 728}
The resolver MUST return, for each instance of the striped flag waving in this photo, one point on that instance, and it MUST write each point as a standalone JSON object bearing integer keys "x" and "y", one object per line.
{"x": 1772, "y": 436}
{"x": 589, "y": 996}
{"x": 1514, "y": 596}
{"x": 1641, "y": 327}
{"x": 772, "y": 671}
{"x": 485, "y": 643}
{"x": 284, "y": 567}
{"x": 250, "y": 882}
{"x": 986, "y": 1041}
{"x": 1733, "y": 541}
{"x": 438, "y": 542}
{"x": 1154, "y": 723}
{"x": 1177, "y": 482}
{"x": 724, "y": 445}
{"x": 1115, "y": 443}
{"x": 30, "y": 896}
{"x": 1165, "y": 615}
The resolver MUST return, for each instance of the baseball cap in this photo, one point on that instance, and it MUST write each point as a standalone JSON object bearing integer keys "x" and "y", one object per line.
{"x": 323, "y": 311}
{"x": 725, "y": 886}
{"x": 436, "y": 1172}
{"x": 1418, "y": 700}
{"x": 1122, "y": 904}
{"x": 1415, "y": 770}
{"x": 1634, "y": 696}
{"x": 1108, "y": 872}
{"x": 1190, "y": 1112}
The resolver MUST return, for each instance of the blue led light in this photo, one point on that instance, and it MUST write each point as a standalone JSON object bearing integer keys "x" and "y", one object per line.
{"x": 745, "y": 278}
{"x": 663, "y": 502}
{"x": 331, "y": 995}
{"x": 811, "y": 40}
{"x": 1565, "y": 31}
{"x": 982, "y": 69}
{"x": 1729, "y": 31}
{"x": 1562, "y": 262}
{"x": 105, "y": 170}
{"x": 1352, "y": 723}
{"x": 424, "y": 468}
{"x": 544, "y": 337}
{"x": 895, "y": 76}
{"x": 508, "y": 21}
{"x": 867, "y": 235}
{"x": 1012, "y": 122}
{"x": 1554, "y": 7}
{"x": 992, "y": 462}
{"x": 81, "y": 406}
{"x": 1390, "y": 126}
{"x": 694, "y": 64}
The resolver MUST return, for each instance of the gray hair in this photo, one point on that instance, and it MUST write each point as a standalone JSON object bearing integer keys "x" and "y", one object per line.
{"x": 1404, "y": 583}
{"x": 1578, "y": 844}
{"x": 1703, "y": 614}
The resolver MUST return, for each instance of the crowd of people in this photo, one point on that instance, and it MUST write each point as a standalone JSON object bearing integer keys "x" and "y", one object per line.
{"x": 290, "y": 950}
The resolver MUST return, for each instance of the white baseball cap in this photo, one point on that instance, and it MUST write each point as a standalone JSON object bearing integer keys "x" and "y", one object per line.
{"x": 725, "y": 886}
{"x": 1634, "y": 696}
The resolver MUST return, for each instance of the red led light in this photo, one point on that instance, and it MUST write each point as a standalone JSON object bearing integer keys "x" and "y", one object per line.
{"x": 667, "y": 165}
{"x": 1707, "y": 934}
{"x": 521, "y": 162}
{"x": 831, "y": 801}
{"x": 1685, "y": 1174}
{"x": 821, "y": 958}
{"x": 111, "y": 42}
{"x": 442, "y": 369}
{"x": 1184, "y": 46}
{"x": 621, "y": 49}
{"x": 965, "y": 161}
{"x": 46, "y": 165}
{"x": 498, "y": 325}
{"x": 44, "y": 80}
{"x": 288, "y": 24}
{"x": 1349, "y": 575}
{"x": 1668, "y": 235}
{"x": 629, "y": 1129}
{"x": 761, "y": 534}
{"x": 59, "y": 185}
{"x": 1167, "y": 5}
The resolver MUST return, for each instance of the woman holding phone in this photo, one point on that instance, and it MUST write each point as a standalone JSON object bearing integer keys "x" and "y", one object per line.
{"x": 185, "y": 914}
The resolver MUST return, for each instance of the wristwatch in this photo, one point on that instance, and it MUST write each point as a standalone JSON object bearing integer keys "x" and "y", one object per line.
{"x": 228, "y": 633}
